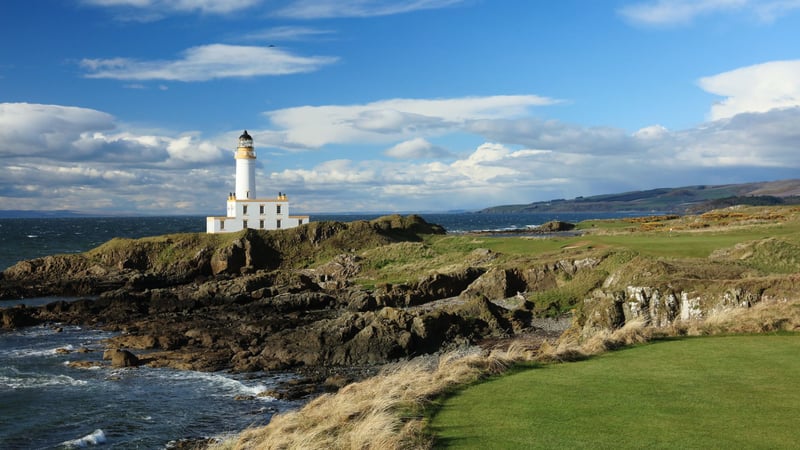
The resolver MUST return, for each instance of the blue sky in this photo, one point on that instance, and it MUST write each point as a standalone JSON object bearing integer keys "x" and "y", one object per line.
{"x": 134, "y": 106}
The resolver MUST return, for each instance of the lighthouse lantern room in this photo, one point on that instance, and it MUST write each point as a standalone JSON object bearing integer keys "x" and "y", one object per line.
{"x": 244, "y": 209}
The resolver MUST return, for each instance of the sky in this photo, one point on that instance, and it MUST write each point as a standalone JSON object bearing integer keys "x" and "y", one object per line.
{"x": 134, "y": 107}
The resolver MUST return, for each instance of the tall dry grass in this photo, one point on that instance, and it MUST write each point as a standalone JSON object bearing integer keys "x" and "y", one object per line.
{"x": 386, "y": 411}
{"x": 763, "y": 317}
{"x": 382, "y": 412}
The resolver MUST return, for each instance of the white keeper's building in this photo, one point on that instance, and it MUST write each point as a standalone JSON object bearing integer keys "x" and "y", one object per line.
{"x": 244, "y": 209}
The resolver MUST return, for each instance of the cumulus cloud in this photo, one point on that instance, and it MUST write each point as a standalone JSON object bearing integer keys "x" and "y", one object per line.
{"x": 208, "y": 62}
{"x": 680, "y": 12}
{"x": 417, "y": 148}
{"x": 503, "y": 172}
{"x": 389, "y": 120}
{"x": 323, "y": 9}
{"x": 28, "y": 129}
{"x": 72, "y": 134}
{"x": 553, "y": 134}
{"x": 756, "y": 88}
{"x": 64, "y": 157}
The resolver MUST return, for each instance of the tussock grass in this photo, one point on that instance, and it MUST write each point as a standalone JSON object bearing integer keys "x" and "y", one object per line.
{"x": 382, "y": 412}
{"x": 764, "y": 317}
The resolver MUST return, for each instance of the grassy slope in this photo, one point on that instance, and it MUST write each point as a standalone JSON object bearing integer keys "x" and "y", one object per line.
{"x": 720, "y": 392}
{"x": 688, "y": 241}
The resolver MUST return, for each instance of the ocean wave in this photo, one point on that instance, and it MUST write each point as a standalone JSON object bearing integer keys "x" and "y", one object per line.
{"x": 94, "y": 438}
{"x": 20, "y": 380}
{"x": 222, "y": 384}
{"x": 33, "y": 353}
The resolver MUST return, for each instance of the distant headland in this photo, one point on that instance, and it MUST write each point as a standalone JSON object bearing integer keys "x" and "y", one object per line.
{"x": 680, "y": 200}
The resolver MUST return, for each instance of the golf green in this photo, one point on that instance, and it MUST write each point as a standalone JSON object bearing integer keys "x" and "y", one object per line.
{"x": 710, "y": 392}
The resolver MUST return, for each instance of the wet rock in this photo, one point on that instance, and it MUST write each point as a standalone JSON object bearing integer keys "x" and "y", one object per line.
{"x": 18, "y": 317}
{"x": 121, "y": 358}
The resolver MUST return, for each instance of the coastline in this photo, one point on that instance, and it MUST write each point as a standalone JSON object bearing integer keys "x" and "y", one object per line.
{"x": 345, "y": 309}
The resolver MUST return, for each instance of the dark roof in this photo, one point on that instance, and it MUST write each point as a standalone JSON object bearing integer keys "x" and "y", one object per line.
{"x": 245, "y": 136}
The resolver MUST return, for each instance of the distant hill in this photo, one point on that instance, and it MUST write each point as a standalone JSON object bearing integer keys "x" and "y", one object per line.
{"x": 687, "y": 199}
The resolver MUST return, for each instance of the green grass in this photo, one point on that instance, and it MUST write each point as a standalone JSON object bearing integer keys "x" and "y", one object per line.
{"x": 713, "y": 392}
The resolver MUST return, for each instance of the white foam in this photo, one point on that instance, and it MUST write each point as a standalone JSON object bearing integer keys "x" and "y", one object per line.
{"x": 224, "y": 384}
{"x": 27, "y": 353}
{"x": 19, "y": 380}
{"x": 94, "y": 438}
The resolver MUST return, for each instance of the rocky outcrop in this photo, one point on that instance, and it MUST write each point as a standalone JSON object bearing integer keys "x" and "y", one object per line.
{"x": 555, "y": 226}
{"x": 121, "y": 358}
{"x": 180, "y": 259}
{"x": 377, "y": 336}
{"x": 247, "y": 301}
{"x": 17, "y": 317}
{"x": 665, "y": 293}
{"x": 434, "y": 287}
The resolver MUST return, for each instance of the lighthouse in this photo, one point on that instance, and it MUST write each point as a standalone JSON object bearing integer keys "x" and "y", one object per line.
{"x": 244, "y": 208}
{"x": 245, "y": 168}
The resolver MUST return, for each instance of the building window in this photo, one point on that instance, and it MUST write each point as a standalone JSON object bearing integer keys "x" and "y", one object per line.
{"x": 221, "y": 224}
{"x": 261, "y": 210}
{"x": 244, "y": 209}
{"x": 299, "y": 221}
{"x": 244, "y": 224}
{"x": 278, "y": 209}
{"x": 261, "y": 224}
{"x": 278, "y": 224}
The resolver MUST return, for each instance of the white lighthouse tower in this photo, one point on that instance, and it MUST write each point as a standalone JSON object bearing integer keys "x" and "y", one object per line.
{"x": 244, "y": 209}
{"x": 245, "y": 168}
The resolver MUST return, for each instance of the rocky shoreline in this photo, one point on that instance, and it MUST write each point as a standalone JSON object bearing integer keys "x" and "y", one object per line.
{"x": 247, "y": 303}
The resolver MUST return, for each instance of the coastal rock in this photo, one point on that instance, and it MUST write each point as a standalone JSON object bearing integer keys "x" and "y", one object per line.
{"x": 121, "y": 358}
{"x": 247, "y": 301}
{"x": 377, "y": 337}
{"x": 17, "y": 317}
{"x": 664, "y": 294}
{"x": 433, "y": 287}
{"x": 554, "y": 226}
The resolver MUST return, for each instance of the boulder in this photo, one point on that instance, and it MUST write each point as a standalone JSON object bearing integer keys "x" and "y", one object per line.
{"x": 121, "y": 358}
{"x": 555, "y": 226}
{"x": 18, "y": 317}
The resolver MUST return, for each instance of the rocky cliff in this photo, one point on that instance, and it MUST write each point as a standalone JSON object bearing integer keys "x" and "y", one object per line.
{"x": 670, "y": 293}
{"x": 267, "y": 300}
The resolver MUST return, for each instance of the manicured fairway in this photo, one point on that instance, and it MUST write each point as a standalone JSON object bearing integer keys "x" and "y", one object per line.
{"x": 729, "y": 392}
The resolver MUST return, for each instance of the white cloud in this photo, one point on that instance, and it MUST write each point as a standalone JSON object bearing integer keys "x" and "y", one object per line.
{"x": 417, "y": 148}
{"x": 148, "y": 10}
{"x": 389, "y": 120}
{"x": 208, "y": 62}
{"x": 320, "y": 9}
{"x": 756, "y": 88}
{"x": 287, "y": 33}
{"x": 203, "y": 6}
{"x": 670, "y": 12}
{"x": 28, "y": 129}
{"x": 578, "y": 163}
{"x": 651, "y": 132}
{"x": 552, "y": 134}
{"x": 680, "y": 12}
{"x": 65, "y": 157}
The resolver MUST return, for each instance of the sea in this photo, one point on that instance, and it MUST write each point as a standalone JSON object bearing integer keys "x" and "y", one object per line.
{"x": 46, "y": 403}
